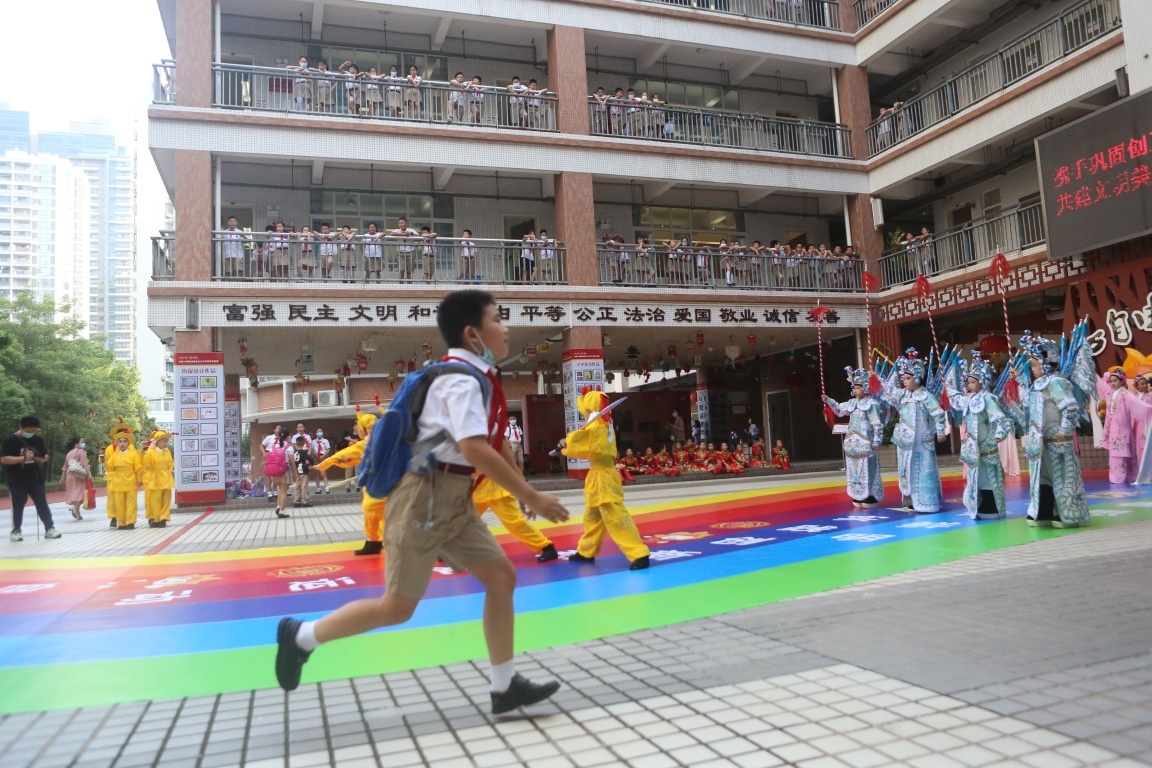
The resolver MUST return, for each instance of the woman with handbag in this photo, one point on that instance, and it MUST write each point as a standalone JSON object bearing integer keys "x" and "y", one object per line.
{"x": 75, "y": 475}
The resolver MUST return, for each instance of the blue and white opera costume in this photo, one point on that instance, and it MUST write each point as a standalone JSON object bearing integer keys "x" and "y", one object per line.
{"x": 921, "y": 420}
{"x": 985, "y": 425}
{"x": 865, "y": 433}
{"x": 1049, "y": 418}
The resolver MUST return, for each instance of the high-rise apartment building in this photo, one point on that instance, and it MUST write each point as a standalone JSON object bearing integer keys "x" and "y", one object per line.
{"x": 44, "y": 229}
{"x": 111, "y": 172}
{"x": 746, "y": 162}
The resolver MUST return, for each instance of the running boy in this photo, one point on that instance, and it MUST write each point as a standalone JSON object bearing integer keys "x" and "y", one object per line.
{"x": 419, "y": 531}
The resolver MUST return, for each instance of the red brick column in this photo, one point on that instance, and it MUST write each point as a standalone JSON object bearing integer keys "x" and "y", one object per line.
{"x": 193, "y": 52}
{"x": 193, "y": 215}
{"x": 568, "y": 78}
{"x": 866, "y": 238}
{"x": 576, "y": 226}
{"x": 195, "y": 341}
{"x": 855, "y": 106}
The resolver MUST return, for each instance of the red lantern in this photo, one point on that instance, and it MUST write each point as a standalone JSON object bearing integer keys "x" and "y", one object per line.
{"x": 412, "y": 364}
{"x": 346, "y": 370}
{"x": 361, "y": 363}
{"x": 752, "y": 340}
{"x": 699, "y": 338}
{"x": 671, "y": 350}
{"x": 692, "y": 397}
{"x": 997, "y": 343}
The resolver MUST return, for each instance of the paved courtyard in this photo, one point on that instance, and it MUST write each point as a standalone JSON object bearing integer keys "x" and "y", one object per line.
{"x": 946, "y": 643}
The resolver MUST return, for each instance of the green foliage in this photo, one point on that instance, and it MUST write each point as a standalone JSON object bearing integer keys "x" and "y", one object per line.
{"x": 75, "y": 385}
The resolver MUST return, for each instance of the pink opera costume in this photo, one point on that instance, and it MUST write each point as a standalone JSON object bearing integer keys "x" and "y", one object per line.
{"x": 865, "y": 433}
{"x": 985, "y": 426}
{"x": 1125, "y": 412}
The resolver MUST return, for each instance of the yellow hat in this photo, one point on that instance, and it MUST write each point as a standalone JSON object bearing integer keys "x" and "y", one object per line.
{"x": 160, "y": 434}
{"x": 121, "y": 430}
{"x": 591, "y": 400}
{"x": 367, "y": 420}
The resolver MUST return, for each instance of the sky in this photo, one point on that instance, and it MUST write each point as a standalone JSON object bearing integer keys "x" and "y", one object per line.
{"x": 85, "y": 61}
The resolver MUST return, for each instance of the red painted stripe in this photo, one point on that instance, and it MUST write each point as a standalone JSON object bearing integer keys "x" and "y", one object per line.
{"x": 160, "y": 547}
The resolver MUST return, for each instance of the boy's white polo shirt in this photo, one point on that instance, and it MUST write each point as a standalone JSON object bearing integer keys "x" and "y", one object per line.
{"x": 455, "y": 404}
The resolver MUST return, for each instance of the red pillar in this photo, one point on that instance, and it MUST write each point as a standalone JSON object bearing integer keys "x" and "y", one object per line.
{"x": 193, "y": 51}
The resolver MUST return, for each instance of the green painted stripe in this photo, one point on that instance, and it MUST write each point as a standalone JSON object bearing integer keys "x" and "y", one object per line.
{"x": 59, "y": 686}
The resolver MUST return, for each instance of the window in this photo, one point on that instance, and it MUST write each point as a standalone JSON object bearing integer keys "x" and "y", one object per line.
{"x": 690, "y": 95}
{"x": 661, "y": 224}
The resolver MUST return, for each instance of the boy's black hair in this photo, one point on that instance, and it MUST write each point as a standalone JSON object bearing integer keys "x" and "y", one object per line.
{"x": 300, "y": 440}
{"x": 461, "y": 309}
{"x": 32, "y": 421}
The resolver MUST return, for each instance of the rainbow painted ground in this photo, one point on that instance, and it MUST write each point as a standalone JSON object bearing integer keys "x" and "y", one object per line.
{"x": 91, "y": 631}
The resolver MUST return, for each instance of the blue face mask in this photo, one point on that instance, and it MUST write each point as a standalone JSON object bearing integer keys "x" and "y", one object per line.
{"x": 27, "y": 435}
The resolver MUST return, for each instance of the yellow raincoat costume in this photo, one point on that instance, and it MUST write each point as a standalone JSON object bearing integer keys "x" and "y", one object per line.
{"x": 159, "y": 479}
{"x": 124, "y": 472}
{"x": 373, "y": 509}
{"x": 488, "y": 495}
{"x": 603, "y": 490}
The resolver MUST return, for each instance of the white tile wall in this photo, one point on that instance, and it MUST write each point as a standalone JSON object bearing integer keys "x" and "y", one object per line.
{"x": 610, "y": 159}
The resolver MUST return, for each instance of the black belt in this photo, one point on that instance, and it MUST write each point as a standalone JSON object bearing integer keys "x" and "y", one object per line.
{"x": 455, "y": 469}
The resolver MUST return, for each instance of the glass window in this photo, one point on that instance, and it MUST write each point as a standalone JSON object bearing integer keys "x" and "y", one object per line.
{"x": 679, "y": 218}
{"x": 443, "y": 207}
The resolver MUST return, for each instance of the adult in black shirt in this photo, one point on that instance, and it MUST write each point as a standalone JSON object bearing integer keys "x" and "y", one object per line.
{"x": 23, "y": 455}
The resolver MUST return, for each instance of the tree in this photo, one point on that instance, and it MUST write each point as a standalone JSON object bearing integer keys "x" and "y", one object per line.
{"x": 75, "y": 385}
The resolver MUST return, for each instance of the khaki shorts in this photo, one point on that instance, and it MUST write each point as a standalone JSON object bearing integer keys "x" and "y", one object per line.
{"x": 457, "y": 533}
{"x": 412, "y": 95}
{"x": 324, "y": 94}
{"x": 393, "y": 98}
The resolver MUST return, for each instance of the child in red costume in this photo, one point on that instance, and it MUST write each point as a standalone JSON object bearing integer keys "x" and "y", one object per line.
{"x": 780, "y": 459}
{"x": 757, "y": 459}
{"x": 666, "y": 464}
{"x": 726, "y": 459}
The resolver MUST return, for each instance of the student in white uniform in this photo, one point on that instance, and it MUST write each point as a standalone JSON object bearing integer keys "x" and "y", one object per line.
{"x": 412, "y": 93}
{"x": 302, "y": 85}
{"x": 456, "y": 88}
{"x": 476, "y": 99}
{"x": 373, "y": 252}
{"x": 467, "y": 257}
{"x": 352, "y": 86}
{"x": 407, "y": 239}
{"x": 232, "y": 248}
{"x": 546, "y": 267}
{"x": 395, "y": 89}
{"x": 516, "y": 109}
{"x": 428, "y": 252}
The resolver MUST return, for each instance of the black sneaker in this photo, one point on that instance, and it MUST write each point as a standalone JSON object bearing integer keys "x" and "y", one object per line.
{"x": 548, "y": 554}
{"x": 521, "y": 693}
{"x": 370, "y": 548}
{"x": 639, "y": 564}
{"x": 112, "y": 523}
{"x": 290, "y": 657}
{"x": 129, "y": 527}
{"x": 282, "y": 514}
{"x": 576, "y": 557}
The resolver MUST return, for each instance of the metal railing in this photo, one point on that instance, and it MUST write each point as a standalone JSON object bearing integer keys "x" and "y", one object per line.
{"x": 365, "y": 258}
{"x": 709, "y": 127}
{"x": 380, "y": 98}
{"x": 164, "y": 255}
{"x": 1030, "y": 53}
{"x": 963, "y": 246}
{"x": 743, "y": 269}
{"x": 164, "y": 82}
{"x": 866, "y": 10}
{"x": 808, "y": 13}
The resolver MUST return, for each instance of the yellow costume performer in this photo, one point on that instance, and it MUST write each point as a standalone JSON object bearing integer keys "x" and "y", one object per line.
{"x": 488, "y": 495}
{"x": 373, "y": 508}
{"x": 159, "y": 479}
{"x": 603, "y": 490}
{"x": 122, "y": 467}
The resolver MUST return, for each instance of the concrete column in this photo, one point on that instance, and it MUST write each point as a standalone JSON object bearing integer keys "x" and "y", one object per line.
{"x": 193, "y": 215}
{"x": 568, "y": 78}
{"x": 193, "y": 51}
{"x": 576, "y": 227}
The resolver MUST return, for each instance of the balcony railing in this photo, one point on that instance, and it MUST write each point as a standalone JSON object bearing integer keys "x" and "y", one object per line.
{"x": 333, "y": 93}
{"x": 866, "y": 10}
{"x": 688, "y": 125}
{"x": 164, "y": 82}
{"x": 363, "y": 258}
{"x": 964, "y": 246}
{"x": 163, "y": 256}
{"x": 708, "y": 268}
{"x": 808, "y": 13}
{"x": 1031, "y": 53}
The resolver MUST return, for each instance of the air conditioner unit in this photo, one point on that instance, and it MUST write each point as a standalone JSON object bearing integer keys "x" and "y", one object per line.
{"x": 327, "y": 398}
{"x": 301, "y": 400}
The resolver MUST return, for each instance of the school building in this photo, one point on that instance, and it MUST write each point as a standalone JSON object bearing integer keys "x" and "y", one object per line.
{"x": 806, "y": 122}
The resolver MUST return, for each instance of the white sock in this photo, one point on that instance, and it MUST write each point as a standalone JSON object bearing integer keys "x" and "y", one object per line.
{"x": 502, "y": 674}
{"x": 306, "y": 636}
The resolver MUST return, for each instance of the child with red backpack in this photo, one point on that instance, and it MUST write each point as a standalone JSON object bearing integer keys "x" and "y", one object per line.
{"x": 276, "y": 472}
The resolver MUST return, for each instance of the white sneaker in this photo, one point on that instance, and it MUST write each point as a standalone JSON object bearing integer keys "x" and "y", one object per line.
{"x": 16, "y": 536}
{"x": 51, "y": 533}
